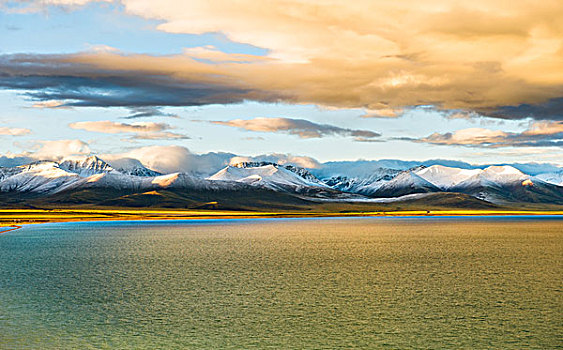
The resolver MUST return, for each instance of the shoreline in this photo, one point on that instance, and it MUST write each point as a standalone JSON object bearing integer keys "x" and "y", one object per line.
{"x": 14, "y": 218}
{"x": 11, "y": 228}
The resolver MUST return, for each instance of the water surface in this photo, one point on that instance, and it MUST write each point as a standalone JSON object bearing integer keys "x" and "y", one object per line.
{"x": 285, "y": 283}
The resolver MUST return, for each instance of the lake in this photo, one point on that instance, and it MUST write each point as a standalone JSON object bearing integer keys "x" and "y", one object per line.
{"x": 428, "y": 283}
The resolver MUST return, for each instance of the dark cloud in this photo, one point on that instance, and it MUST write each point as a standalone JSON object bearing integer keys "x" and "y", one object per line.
{"x": 57, "y": 77}
{"x": 144, "y": 82}
{"x": 147, "y": 112}
{"x": 550, "y": 110}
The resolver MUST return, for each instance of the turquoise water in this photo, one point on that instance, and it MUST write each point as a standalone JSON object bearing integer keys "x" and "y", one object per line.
{"x": 426, "y": 283}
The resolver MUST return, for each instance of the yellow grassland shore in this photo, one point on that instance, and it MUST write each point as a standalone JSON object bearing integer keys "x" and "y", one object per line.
{"x": 11, "y": 219}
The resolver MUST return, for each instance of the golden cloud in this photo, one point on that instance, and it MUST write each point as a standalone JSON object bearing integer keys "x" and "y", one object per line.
{"x": 142, "y": 130}
{"x": 539, "y": 134}
{"x": 300, "y": 127}
{"x": 374, "y": 54}
{"x": 14, "y": 131}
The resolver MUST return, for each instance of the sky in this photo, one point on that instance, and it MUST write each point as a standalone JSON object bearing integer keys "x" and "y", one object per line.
{"x": 480, "y": 82}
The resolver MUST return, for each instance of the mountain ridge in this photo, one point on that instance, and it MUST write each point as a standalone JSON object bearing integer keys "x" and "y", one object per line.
{"x": 499, "y": 185}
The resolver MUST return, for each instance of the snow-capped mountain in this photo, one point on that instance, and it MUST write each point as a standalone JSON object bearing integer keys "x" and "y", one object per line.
{"x": 406, "y": 182}
{"x": 130, "y": 166}
{"x": 494, "y": 176}
{"x": 86, "y": 166}
{"x": 555, "y": 178}
{"x": 90, "y": 172}
{"x": 495, "y": 184}
{"x": 94, "y": 173}
{"x": 41, "y": 177}
{"x": 444, "y": 177}
{"x": 366, "y": 185}
{"x": 93, "y": 165}
{"x": 269, "y": 175}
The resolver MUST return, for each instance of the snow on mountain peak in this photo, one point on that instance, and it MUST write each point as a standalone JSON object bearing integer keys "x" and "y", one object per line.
{"x": 555, "y": 178}
{"x": 42, "y": 176}
{"x": 491, "y": 183}
{"x": 266, "y": 174}
{"x": 445, "y": 177}
{"x": 494, "y": 176}
{"x": 130, "y": 166}
{"x": 165, "y": 180}
{"x": 503, "y": 170}
{"x": 406, "y": 182}
{"x": 274, "y": 167}
{"x": 86, "y": 166}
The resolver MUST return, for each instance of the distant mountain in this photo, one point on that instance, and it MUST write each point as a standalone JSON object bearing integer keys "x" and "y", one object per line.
{"x": 40, "y": 177}
{"x": 406, "y": 182}
{"x": 130, "y": 166}
{"x": 445, "y": 178}
{"x": 555, "y": 178}
{"x": 86, "y": 166}
{"x": 270, "y": 175}
{"x": 128, "y": 182}
{"x": 366, "y": 185}
{"x": 280, "y": 178}
{"x": 496, "y": 184}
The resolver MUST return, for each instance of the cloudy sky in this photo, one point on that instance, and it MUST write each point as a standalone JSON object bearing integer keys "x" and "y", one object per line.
{"x": 478, "y": 81}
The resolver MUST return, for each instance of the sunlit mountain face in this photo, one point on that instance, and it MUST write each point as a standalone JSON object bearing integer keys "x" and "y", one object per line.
{"x": 93, "y": 181}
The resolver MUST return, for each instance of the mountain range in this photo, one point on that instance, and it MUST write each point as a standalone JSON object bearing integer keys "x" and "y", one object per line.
{"x": 91, "y": 181}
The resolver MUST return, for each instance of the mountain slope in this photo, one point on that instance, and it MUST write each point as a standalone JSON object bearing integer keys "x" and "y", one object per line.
{"x": 555, "y": 178}
{"x": 269, "y": 175}
{"x": 444, "y": 177}
{"x": 41, "y": 177}
{"x": 406, "y": 182}
{"x": 86, "y": 166}
{"x": 128, "y": 182}
{"x": 366, "y": 184}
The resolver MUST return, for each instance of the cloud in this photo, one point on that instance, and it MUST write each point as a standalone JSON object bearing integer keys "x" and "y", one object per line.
{"x": 142, "y": 130}
{"x": 109, "y": 127}
{"x": 146, "y": 112}
{"x": 14, "y": 131}
{"x": 50, "y": 104}
{"x": 544, "y": 128}
{"x": 553, "y": 155}
{"x": 551, "y": 109}
{"x": 300, "y": 127}
{"x": 108, "y": 79}
{"x": 253, "y": 138}
{"x": 539, "y": 134}
{"x": 363, "y": 139}
{"x": 57, "y": 149}
{"x": 32, "y": 6}
{"x": 383, "y": 113}
{"x": 164, "y": 159}
{"x": 170, "y": 159}
{"x": 279, "y": 158}
{"x": 209, "y": 53}
{"x": 487, "y": 56}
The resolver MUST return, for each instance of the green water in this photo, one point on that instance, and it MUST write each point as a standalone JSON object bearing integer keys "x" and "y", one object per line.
{"x": 331, "y": 283}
